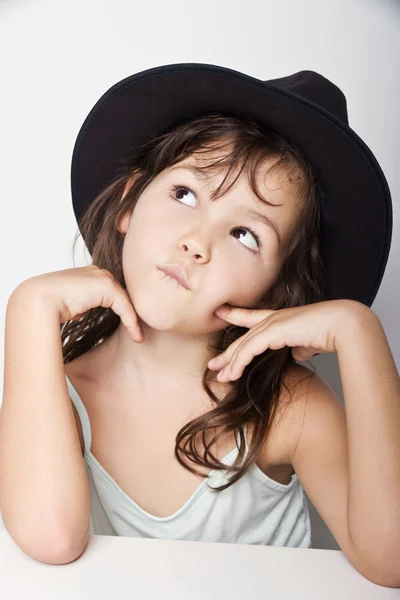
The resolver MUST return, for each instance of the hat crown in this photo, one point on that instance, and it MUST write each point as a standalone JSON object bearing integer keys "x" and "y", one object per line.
{"x": 314, "y": 88}
{"x": 305, "y": 107}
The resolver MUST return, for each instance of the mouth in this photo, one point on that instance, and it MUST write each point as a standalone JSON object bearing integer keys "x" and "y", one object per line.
{"x": 175, "y": 272}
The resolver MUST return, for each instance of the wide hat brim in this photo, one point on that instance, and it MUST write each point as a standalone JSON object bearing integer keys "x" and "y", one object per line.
{"x": 355, "y": 198}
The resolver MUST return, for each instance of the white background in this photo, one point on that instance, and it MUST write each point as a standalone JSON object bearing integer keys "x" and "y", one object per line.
{"x": 58, "y": 58}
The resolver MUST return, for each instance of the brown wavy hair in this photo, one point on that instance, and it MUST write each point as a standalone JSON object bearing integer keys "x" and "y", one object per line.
{"x": 241, "y": 144}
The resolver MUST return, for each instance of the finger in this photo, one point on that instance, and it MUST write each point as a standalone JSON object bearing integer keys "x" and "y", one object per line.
{"x": 123, "y": 307}
{"x": 256, "y": 344}
{"x": 222, "y": 359}
{"x": 130, "y": 317}
{"x": 243, "y": 317}
{"x": 302, "y": 353}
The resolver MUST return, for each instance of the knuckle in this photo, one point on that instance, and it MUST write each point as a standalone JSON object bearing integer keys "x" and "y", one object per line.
{"x": 110, "y": 281}
{"x": 103, "y": 273}
{"x": 106, "y": 272}
{"x": 96, "y": 269}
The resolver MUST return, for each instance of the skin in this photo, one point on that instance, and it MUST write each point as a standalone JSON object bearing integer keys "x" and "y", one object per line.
{"x": 203, "y": 236}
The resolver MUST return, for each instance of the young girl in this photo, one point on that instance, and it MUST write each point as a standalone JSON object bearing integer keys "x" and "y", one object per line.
{"x": 226, "y": 217}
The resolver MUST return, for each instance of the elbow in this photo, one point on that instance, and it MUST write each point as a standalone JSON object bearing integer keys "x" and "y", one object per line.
{"x": 62, "y": 551}
{"x": 383, "y": 570}
{"x": 378, "y": 574}
{"x": 52, "y": 549}
{"x": 390, "y": 568}
{"x": 382, "y": 579}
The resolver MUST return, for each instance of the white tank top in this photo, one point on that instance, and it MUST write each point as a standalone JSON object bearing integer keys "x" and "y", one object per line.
{"x": 254, "y": 510}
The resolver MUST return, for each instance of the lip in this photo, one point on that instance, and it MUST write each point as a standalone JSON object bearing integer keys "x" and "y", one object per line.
{"x": 176, "y": 272}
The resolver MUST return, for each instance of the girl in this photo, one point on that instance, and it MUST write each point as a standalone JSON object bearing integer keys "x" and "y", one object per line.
{"x": 226, "y": 218}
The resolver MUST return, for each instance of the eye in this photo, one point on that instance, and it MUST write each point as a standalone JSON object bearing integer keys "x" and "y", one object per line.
{"x": 179, "y": 188}
{"x": 184, "y": 188}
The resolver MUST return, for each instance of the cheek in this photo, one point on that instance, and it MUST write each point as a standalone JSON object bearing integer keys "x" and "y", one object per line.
{"x": 246, "y": 282}
{"x": 145, "y": 240}
{"x": 248, "y": 288}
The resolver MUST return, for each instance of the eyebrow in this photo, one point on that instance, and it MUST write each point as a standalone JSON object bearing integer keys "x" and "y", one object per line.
{"x": 255, "y": 214}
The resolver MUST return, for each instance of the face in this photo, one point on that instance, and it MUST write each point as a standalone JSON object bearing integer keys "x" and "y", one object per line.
{"x": 229, "y": 254}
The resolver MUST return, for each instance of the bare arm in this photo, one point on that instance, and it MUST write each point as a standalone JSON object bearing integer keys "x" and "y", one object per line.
{"x": 371, "y": 389}
{"x": 44, "y": 491}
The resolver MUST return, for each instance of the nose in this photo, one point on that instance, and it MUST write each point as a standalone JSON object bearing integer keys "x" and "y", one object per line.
{"x": 199, "y": 251}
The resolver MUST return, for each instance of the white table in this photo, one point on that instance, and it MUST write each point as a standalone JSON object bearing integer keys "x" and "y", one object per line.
{"x": 140, "y": 568}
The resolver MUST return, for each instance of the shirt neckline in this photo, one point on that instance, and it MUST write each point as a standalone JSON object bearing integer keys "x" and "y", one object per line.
{"x": 213, "y": 475}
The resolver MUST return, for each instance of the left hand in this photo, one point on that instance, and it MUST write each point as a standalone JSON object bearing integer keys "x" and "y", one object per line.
{"x": 308, "y": 330}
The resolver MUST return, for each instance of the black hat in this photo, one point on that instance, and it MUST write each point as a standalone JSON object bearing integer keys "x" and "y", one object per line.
{"x": 305, "y": 107}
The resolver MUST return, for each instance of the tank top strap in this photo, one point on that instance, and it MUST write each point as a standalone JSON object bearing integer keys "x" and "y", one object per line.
{"x": 83, "y": 415}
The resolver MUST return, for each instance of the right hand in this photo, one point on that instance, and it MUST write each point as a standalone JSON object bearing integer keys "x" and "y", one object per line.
{"x": 76, "y": 290}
